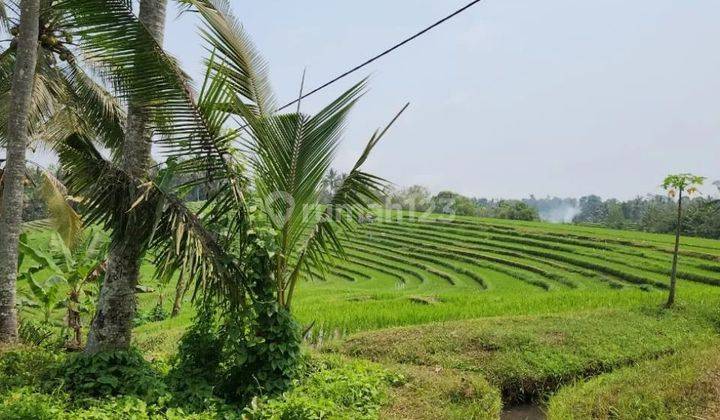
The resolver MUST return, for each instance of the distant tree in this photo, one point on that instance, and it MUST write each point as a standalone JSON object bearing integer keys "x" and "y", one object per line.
{"x": 677, "y": 185}
{"x": 615, "y": 216}
{"x": 332, "y": 180}
{"x": 516, "y": 210}
{"x": 444, "y": 202}
{"x": 415, "y": 197}
{"x": 592, "y": 210}
{"x": 449, "y": 202}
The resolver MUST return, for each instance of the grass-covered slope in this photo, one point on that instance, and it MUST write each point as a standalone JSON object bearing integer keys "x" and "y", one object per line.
{"x": 530, "y": 356}
{"x": 685, "y": 385}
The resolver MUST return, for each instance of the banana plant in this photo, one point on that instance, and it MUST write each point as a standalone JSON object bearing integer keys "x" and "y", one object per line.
{"x": 73, "y": 271}
{"x": 45, "y": 296}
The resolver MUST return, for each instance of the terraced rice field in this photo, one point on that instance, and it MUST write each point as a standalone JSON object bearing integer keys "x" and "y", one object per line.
{"x": 406, "y": 269}
{"x": 538, "y": 318}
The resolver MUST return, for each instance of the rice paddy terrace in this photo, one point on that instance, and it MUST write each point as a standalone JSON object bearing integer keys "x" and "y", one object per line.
{"x": 406, "y": 269}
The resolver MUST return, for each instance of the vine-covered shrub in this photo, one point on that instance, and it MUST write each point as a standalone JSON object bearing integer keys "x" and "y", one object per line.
{"x": 243, "y": 351}
{"x": 237, "y": 355}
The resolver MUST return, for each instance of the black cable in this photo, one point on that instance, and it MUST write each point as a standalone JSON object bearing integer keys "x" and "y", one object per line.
{"x": 382, "y": 54}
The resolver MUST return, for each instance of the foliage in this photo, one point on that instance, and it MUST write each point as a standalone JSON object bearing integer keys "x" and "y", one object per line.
{"x": 418, "y": 198}
{"x": 592, "y": 210}
{"x": 36, "y": 385}
{"x": 27, "y": 367}
{"x": 112, "y": 374}
{"x": 45, "y": 295}
{"x": 34, "y": 333}
{"x": 71, "y": 274}
{"x": 237, "y": 356}
{"x": 413, "y": 198}
{"x": 334, "y": 388}
{"x": 652, "y": 213}
{"x": 656, "y": 213}
{"x": 679, "y": 183}
{"x": 25, "y": 403}
{"x": 515, "y": 210}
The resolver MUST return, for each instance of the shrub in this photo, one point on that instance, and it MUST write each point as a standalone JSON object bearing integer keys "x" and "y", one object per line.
{"x": 241, "y": 354}
{"x": 24, "y": 403}
{"x": 26, "y": 367}
{"x": 112, "y": 374}
{"x": 334, "y": 388}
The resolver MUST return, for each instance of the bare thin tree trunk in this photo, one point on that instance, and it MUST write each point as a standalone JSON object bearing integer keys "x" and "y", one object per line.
{"x": 74, "y": 321}
{"x": 112, "y": 325}
{"x": 673, "y": 272}
{"x": 14, "y": 174}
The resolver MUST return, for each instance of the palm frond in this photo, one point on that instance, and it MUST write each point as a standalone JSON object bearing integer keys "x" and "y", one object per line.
{"x": 237, "y": 57}
{"x": 126, "y": 54}
{"x": 63, "y": 218}
{"x": 352, "y": 199}
{"x": 176, "y": 235}
{"x": 289, "y": 155}
{"x": 99, "y": 109}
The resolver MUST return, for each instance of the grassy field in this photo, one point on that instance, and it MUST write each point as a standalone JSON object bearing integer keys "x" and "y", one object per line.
{"x": 475, "y": 312}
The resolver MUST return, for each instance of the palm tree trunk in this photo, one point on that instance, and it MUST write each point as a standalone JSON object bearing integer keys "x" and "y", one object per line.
{"x": 673, "y": 272}
{"x": 179, "y": 293}
{"x": 14, "y": 173}
{"x": 112, "y": 325}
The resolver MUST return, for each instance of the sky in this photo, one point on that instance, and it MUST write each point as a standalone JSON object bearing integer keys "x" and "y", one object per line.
{"x": 513, "y": 97}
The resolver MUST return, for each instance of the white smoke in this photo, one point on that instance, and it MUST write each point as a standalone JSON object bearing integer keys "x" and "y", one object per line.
{"x": 561, "y": 214}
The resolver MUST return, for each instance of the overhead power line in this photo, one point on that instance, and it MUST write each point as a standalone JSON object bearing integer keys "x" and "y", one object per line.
{"x": 383, "y": 54}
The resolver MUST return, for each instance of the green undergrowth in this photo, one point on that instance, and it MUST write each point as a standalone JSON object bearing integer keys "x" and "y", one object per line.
{"x": 38, "y": 383}
{"x": 529, "y": 357}
{"x": 681, "y": 386}
{"x": 439, "y": 393}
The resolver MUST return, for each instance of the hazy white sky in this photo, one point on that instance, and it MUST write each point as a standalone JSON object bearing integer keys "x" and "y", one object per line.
{"x": 559, "y": 97}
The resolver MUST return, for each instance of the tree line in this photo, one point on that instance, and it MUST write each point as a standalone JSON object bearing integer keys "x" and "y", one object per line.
{"x": 419, "y": 198}
{"x": 652, "y": 213}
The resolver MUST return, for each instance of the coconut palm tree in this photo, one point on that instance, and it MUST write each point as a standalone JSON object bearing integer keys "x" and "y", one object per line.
{"x": 125, "y": 51}
{"x": 113, "y": 322}
{"x": 14, "y": 173}
{"x": 284, "y": 158}
{"x": 62, "y": 99}
{"x": 263, "y": 227}
{"x": 279, "y": 156}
